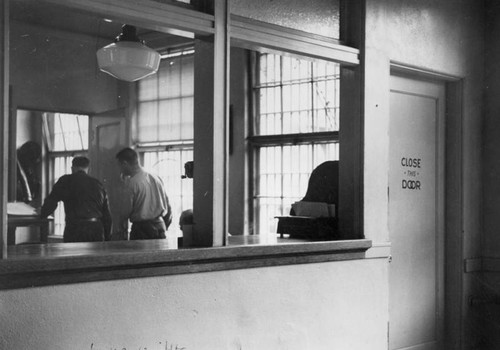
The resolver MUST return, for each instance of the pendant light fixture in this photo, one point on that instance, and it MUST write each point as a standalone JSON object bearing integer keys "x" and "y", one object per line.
{"x": 128, "y": 58}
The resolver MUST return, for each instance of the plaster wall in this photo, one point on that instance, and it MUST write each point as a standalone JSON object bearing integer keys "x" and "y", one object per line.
{"x": 490, "y": 281}
{"x": 313, "y": 16}
{"x": 491, "y": 130}
{"x": 336, "y": 305}
{"x": 441, "y": 36}
{"x": 54, "y": 71}
{"x": 437, "y": 36}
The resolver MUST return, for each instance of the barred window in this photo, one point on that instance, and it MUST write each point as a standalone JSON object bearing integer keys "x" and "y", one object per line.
{"x": 295, "y": 129}
{"x": 66, "y": 135}
{"x": 164, "y": 127}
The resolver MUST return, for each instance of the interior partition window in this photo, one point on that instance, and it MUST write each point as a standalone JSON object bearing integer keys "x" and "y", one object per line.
{"x": 66, "y": 136}
{"x": 164, "y": 127}
{"x": 295, "y": 128}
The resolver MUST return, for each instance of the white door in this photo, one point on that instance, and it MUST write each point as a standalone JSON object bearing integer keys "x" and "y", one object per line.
{"x": 416, "y": 214}
{"x": 107, "y": 137}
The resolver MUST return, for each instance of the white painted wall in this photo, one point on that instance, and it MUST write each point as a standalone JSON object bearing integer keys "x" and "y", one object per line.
{"x": 336, "y": 305}
{"x": 40, "y": 83}
{"x": 491, "y": 184}
{"x": 435, "y": 35}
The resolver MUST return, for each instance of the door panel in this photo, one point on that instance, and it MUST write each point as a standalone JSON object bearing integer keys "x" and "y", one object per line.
{"x": 107, "y": 137}
{"x": 416, "y": 209}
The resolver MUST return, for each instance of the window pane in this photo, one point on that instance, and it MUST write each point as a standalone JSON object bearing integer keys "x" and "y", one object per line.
{"x": 148, "y": 88}
{"x": 169, "y": 166}
{"x": 168, "y": 118}
{"x": 147, "y": 127}
{"x": 170, "y": 78}
{"x": 169, "y": 124}
{"x": 187, "y": 126}
{"x": 283, "y": 176}
{"x": 165, "y": 106}
{"x": 62, "y": 166}
{"x": 67, "y": 132}
{"x": 303, "y": 99}
{"x": 187, "y": 76}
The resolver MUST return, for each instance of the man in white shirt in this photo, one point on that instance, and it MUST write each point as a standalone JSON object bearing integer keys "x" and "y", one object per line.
{"x": 145, "y": 202}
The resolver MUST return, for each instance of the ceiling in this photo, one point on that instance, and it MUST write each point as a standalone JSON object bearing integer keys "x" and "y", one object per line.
{"x": 58, "y": 17}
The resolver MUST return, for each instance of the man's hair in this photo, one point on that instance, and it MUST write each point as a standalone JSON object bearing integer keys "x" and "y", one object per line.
{"x": 128, "y": 155}
{"x": 80, "y": 162}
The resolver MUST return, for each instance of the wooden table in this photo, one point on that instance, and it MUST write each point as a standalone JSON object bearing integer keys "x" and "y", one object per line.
{"x": 15, "y": 221}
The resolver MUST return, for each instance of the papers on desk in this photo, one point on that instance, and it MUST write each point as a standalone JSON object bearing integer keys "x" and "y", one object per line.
{"x": 20, "y": 209}
{"x": 314, "y": 209}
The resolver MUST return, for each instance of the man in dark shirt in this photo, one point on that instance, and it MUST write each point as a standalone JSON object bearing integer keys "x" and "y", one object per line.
{"x": 85, "y": 204}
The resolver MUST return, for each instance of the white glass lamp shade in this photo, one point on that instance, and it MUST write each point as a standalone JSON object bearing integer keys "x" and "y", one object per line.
{"x": 128, "y": 60}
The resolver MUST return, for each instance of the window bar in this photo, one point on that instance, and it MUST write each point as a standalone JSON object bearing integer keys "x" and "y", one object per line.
{"x": 181, "y": 169}
{"x": 256, "y": 192}
{"x": 62, "y": 130}
{"x": 270, "y": 158}
{"x": 254, "y": 63}
{"x": 282, "y": 197}
{"x": 180, "y": 94}
{"x": 78, "y": 118}
{"x": 282, "y": 116}
{"x": 255, "y": 122}
{"x": 314, "y": 114}
{"x": 46, "y": 132}
{"x": 157, "y": 102}
{"x": 336, "y": 87}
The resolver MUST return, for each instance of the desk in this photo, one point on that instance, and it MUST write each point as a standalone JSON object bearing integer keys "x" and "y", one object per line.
{"x": 15, "y": 221}
{"x": 324, "y": 228}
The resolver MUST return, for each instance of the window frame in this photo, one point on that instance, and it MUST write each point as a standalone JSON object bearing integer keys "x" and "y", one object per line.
{"x": 30, "y": 269}
{"x": 258, "y": 141}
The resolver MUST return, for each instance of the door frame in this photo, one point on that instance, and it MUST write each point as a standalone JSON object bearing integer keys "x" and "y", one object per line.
{"x": 97, "y": 121}
{"x": 453, "y": 191}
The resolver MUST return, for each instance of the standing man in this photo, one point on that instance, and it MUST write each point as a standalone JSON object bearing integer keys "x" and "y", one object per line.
{"x": 85, "y": 204}
{"x": 145, "y": 202}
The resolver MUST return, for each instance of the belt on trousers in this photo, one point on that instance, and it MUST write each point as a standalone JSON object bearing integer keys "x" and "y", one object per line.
{"x": 84, "y": 220}
{"x": 154, "y": 220}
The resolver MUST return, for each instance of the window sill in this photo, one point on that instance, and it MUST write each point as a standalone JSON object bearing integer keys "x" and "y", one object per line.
{"x": 62, "y": 263}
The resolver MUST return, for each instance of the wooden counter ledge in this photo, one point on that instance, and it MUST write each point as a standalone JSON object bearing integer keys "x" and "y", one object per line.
{"x": 60, "y": 263}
